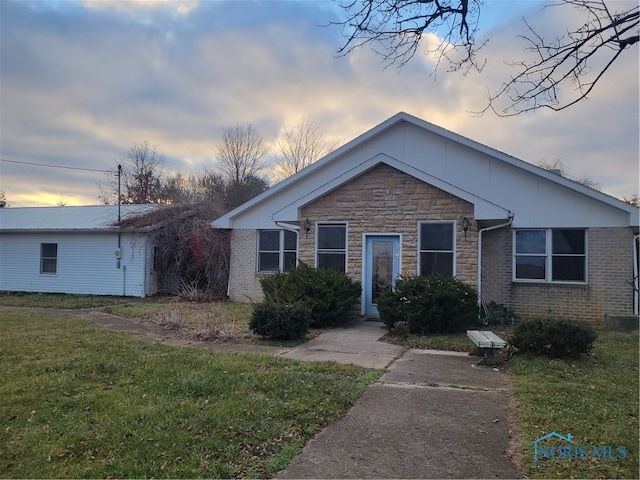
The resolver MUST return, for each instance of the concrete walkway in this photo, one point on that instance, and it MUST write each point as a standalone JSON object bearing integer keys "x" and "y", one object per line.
{"x": 357, "y": 343}
{"x": 432, "y": 414}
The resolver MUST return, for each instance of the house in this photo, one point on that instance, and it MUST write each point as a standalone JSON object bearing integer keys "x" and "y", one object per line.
{"x": 81, "y": 250}
{"x": 411, "y": 198}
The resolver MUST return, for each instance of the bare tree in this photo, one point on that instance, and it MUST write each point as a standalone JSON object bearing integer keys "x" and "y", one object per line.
{"x": 241, "y": 153}
{"x": 191, "y": 258}
{"x": 580, "y": 57}
{"x": 298, "y": 147}
{"x": 632, "y": 200}
{"x": 558, "y": 167}
{"x": 241, "y": 157}
{"x": 568, "y": 59}
{"x": 141, "y": 178}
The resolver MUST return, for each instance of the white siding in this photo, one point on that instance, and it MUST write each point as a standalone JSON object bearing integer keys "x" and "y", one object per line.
{"x": 86, "y": 264}
{"x": 538, "y": 198}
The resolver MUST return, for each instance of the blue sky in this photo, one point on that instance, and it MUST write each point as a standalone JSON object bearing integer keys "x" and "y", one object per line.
{"x": 80, "y": 82}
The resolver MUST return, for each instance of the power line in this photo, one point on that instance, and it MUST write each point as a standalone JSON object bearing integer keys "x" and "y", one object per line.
{"x": 54, "y": 166}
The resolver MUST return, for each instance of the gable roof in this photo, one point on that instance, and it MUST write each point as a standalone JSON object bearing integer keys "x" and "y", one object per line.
{"x": 282, "y": 202}
{"x": 99, "y": 218}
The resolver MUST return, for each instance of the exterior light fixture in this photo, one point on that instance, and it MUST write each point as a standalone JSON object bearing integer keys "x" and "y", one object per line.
{"x": 307, "y": 226}
{"x": 465, "y": 226}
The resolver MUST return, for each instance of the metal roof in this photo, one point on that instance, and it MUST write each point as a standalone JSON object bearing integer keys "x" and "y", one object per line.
{"x": 85, "y": 218}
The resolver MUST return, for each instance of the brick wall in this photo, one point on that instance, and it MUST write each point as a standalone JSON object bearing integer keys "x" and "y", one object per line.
{"x": 610, "y": 269}
{"x": 244, "y": 283}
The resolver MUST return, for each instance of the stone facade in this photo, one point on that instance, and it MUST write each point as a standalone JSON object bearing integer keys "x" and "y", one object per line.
{"x": 385, "y": 200}
{"x": 608, "y": 289}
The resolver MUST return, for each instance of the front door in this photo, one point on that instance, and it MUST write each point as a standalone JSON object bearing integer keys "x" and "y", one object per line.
{"x": 381, "y": 267}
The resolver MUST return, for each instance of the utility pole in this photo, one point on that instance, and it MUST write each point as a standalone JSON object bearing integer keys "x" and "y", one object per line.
{"x": 119, "y": 177}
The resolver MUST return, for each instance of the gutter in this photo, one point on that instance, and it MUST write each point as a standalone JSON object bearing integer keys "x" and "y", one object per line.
{"x": 480, "y": 232}
{"x": 288, "y": 226}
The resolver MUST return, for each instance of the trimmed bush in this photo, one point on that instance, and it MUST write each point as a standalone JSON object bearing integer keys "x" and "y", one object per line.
{"x": 431, "y": 304}
{"x": 553, "y": 338}
{"x": 328, "y": 294}
{"x": 280, "y": 321}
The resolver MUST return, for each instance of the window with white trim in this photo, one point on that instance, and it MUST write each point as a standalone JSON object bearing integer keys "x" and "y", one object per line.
{"x": 436, "y": 248}
{"x": 48, "y": 258}
{"x": 331, "y": 247}
{"x": 277, "y": 250}
{"x": 550, "y": 255}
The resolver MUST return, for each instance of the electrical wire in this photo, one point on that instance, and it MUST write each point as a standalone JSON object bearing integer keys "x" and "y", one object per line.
{"x": 53, "y": 166}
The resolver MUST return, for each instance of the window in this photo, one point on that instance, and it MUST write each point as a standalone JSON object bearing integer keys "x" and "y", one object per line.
{"x": 531, "y": 254}
{"x": 331, "y": 248}
{"x": 568, "y": 256}
{"x": 550, "y": 255}
{"x": 48, "y": 258}
{"x": 277, "y": 250}
{"x": 436, "y": 248}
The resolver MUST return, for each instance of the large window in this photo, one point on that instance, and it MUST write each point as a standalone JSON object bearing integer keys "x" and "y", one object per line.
{"x": 48, "y": 258}
{"x": 437, "y": 248}
{"x": 331, "y": 248}
{"x": 277, "y": 250}
{"x": 550, "y": 255}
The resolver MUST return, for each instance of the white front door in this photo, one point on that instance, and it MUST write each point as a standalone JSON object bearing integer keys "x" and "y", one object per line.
{"x": 381, "y": 267}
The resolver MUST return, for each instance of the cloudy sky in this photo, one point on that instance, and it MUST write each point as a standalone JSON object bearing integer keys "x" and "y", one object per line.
{"x": 81, "y": 81}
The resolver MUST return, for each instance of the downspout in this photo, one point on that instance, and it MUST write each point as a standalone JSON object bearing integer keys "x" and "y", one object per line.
{"x": 480, "y": 232}
{"x": 635, "y": 274}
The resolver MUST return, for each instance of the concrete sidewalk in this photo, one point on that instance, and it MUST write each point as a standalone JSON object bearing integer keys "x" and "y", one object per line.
{"x": 357, "y": 343}
{"x": 430, "y": 416}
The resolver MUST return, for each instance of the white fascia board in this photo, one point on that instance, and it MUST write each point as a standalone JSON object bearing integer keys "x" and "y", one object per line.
{"x": 483, "y": 209}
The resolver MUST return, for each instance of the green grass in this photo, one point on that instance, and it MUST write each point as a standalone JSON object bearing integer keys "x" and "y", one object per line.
{"x": 63, "y": 300}
{"x": 595, "y": 398}
{"x": 453, "y": 342}
{"x": 77, "y": 401}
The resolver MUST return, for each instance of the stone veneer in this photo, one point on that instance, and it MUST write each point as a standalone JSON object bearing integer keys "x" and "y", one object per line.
{"x": 608, "y": 289}
{"x": 386, "y": 200}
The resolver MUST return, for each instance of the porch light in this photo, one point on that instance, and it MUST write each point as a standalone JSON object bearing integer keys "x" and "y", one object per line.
{"x": 307, "y": 226}
{"x": 465, "y": 226}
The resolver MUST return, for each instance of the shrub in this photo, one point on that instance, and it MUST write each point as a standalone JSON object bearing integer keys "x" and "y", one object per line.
{"x": 280, "y": 321}
{"x": 499, "y": 316}
{"x": 328, "y": 294}
{"x": 431, "y": 304}
{"x": 553, "y": 338}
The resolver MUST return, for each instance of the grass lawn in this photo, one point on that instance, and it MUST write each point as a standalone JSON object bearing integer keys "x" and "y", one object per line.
{"x": 64, "y": 300}
{"x": 77, "y": 401}
{"x": 595, "y": 398}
